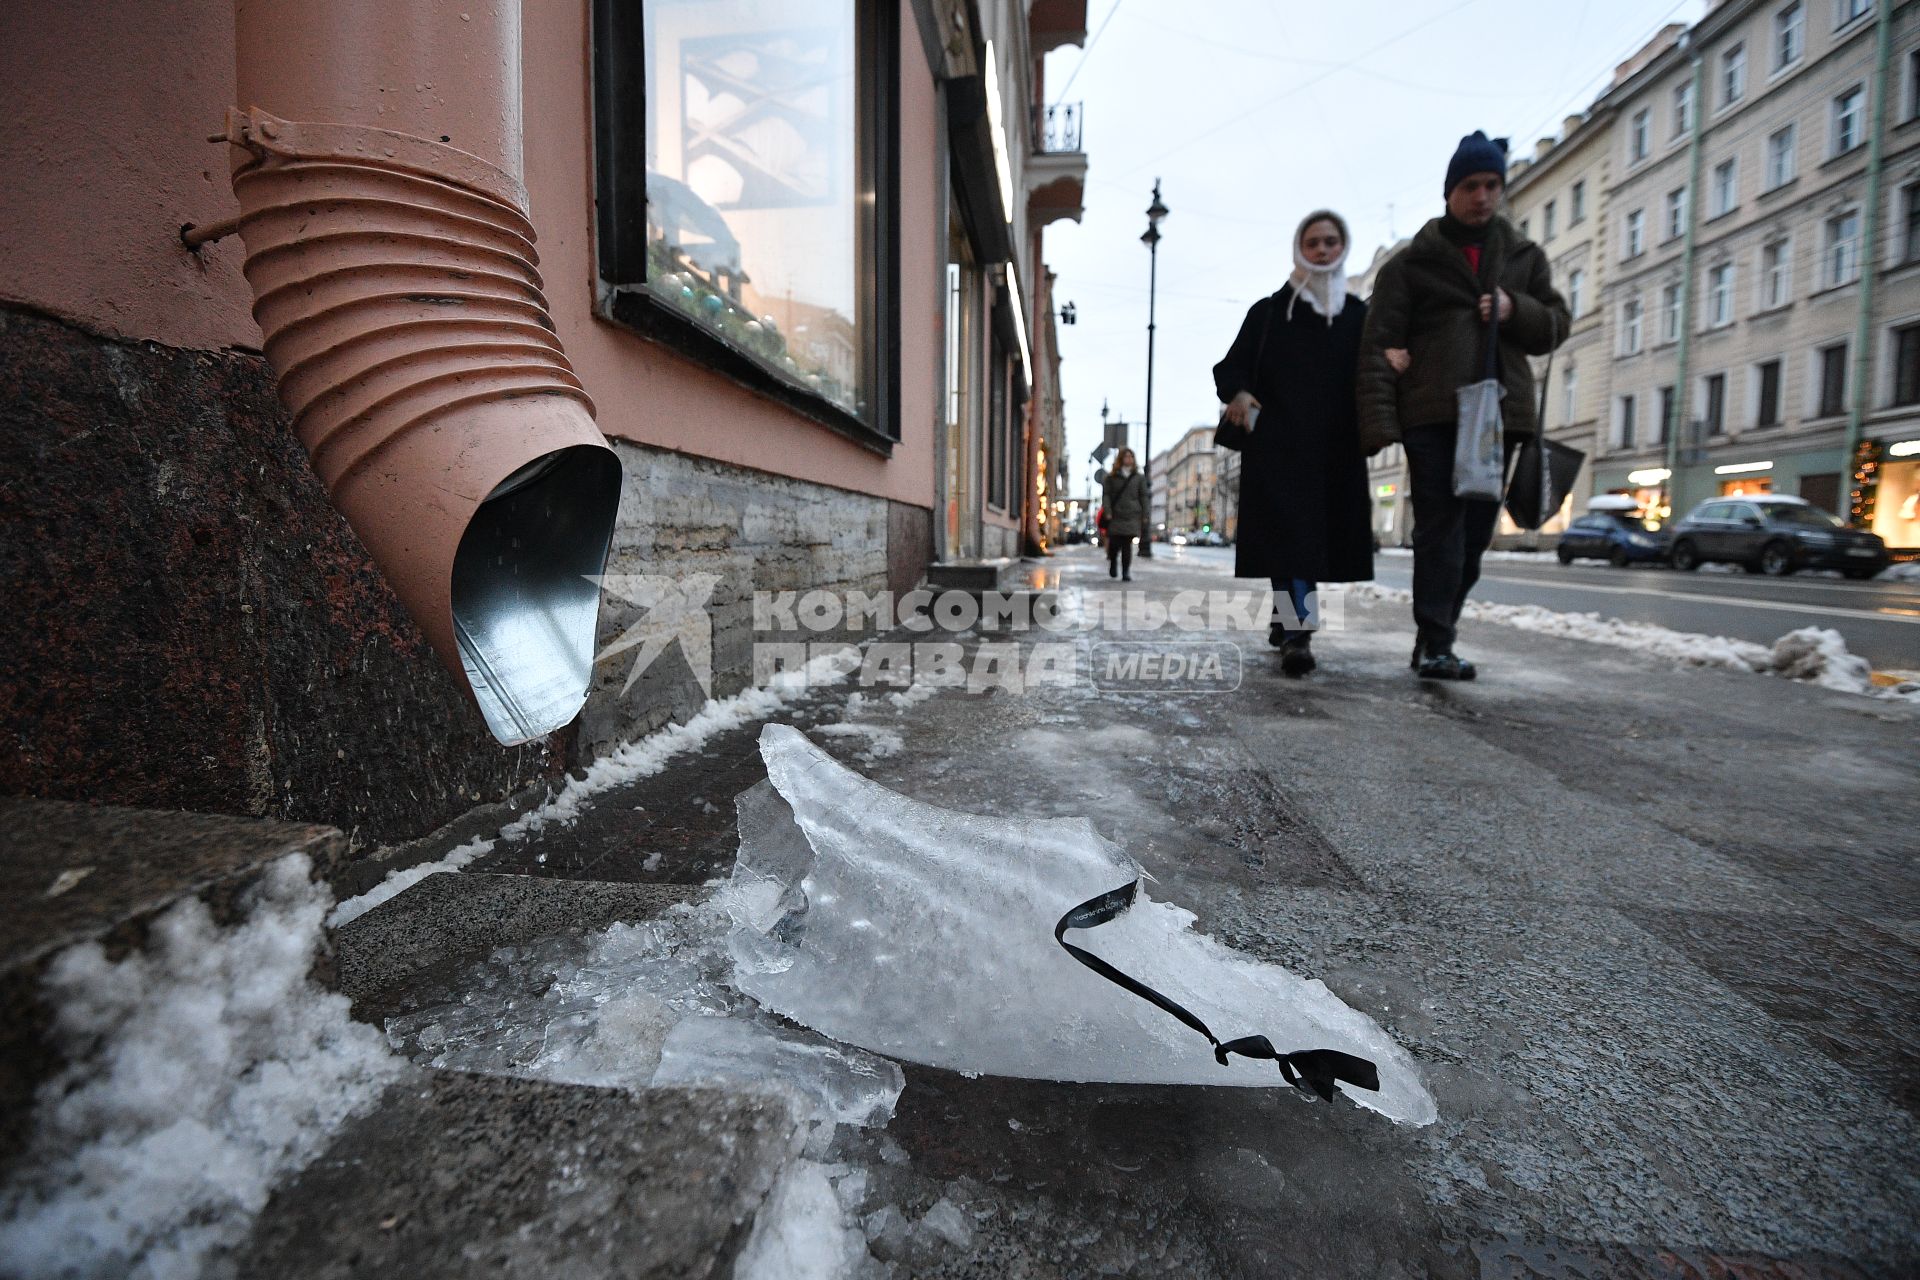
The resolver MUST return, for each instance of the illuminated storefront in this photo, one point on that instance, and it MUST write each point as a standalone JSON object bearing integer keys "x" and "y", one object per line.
{"x": 1886, "y": 492}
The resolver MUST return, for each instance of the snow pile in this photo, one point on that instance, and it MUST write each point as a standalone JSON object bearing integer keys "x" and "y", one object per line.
{"x": 205, "y": 1069}
{"x": 1905, "y": 571}
{"x": 1679, "y": 646}
{"x": 1820, "y": 655}
{"x": 926, "y": 934}
{"x": 641, "y": 1005}
{"x": 1810, "y": 655}
{"x": 398, "y": 882}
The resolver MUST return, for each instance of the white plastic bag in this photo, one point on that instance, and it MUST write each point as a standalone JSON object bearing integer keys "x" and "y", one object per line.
{"x": 1478, "y": 460}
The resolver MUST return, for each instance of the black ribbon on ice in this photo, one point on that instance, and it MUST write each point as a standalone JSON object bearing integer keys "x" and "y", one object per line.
{"x": 1315, "y": 1071}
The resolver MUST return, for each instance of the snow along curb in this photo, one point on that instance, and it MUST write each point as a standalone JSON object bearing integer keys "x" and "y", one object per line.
{"x": 1811, "y": 655}
{"x": 641, "y": 758}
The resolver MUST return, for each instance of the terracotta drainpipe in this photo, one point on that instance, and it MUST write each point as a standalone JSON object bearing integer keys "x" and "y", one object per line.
{"x": 379, "y": 173}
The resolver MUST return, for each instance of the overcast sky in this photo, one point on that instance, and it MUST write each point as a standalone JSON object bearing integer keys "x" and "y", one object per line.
{"x": 1273, "y": 108}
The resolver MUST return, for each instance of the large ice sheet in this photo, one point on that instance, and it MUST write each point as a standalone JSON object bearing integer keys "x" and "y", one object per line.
{"x": 926, "y": 934}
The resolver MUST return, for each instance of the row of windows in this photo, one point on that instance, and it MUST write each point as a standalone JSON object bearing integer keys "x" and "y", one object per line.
{"x": 1787, "y": 45}
{"x": 1723, "y": 186}
{"x": 1838, "y": 258}
{"x": 1827, "y": 391}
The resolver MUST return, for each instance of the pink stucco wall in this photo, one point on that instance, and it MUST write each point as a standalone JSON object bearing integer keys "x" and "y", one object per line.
{"x": 110, "y": 103}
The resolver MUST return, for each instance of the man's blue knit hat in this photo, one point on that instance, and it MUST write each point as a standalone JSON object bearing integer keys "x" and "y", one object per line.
{"x": 1477, "y": 154}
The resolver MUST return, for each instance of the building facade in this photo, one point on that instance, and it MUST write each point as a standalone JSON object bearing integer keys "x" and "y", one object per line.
{"x": 1751, "y": 149}
{"x": 1737, "y": 224}
{"x": 1185, "y": 480}
{"x": 816, "y": 330}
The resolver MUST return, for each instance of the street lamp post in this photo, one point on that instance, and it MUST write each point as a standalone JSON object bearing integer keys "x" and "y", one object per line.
{"x": 1155, "y": 212}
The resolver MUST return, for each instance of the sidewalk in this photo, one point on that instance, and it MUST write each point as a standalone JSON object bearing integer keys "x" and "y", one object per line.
{"x": 1649, "y": 931}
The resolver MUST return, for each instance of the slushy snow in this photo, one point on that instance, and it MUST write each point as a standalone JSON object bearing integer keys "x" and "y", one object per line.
{"x": 204, "y": 1069}
{"x": 925, "y": 934}
{"x": 1810, "y": 655}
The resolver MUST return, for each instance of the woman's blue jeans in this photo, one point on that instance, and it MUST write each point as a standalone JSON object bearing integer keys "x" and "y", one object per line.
{"x": 1297, "y": 591}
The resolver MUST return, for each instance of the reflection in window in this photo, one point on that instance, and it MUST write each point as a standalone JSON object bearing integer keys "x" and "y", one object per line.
{"x": 752, "y": 174}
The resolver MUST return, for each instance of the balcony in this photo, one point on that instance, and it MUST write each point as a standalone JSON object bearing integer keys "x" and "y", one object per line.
{"x": 1052, "y": 23}
{"x": 1056, "y": 171}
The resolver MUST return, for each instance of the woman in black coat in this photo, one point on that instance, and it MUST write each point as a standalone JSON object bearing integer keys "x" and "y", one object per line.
{"x": 1304, "y": 514}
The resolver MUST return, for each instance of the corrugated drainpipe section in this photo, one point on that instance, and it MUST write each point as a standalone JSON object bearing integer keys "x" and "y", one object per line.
{"x": 378, "y": 167}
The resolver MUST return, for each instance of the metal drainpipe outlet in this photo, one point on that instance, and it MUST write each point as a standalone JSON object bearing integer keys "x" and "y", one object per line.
{"x": 395, "y": 283}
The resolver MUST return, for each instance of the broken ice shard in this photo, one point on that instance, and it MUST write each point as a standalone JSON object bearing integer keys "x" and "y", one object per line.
{"x": 927, "y": 934}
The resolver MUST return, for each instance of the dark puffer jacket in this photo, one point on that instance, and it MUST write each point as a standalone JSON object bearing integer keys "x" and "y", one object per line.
{"x": 1426, "y": 300}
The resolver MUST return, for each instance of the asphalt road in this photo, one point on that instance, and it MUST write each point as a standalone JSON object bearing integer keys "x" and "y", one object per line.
{"x": 1880, "y": 620}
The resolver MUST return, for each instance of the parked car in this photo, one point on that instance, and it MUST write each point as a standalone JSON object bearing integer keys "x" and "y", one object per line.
{"x": 1613, "y": 530}
{"x": 1774, "y": 534}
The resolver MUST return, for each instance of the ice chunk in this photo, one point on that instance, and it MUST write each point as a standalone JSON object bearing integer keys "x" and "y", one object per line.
{"x": 926, "y": 934}
{"x": 842, "y": 1085}
{"x": 642, "y": 1005}
{"x": 800, "y": 1232}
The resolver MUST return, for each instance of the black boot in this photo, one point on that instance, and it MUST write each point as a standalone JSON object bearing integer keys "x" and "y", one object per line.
{"x": 1445, "y": 666}
{"x": 1296, "y": 654}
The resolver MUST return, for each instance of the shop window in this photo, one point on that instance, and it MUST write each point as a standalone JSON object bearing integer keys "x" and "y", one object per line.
{"x": 747, "y": 205}
{"x": 1896, "y": 503}
{"x": 997, "y": 416}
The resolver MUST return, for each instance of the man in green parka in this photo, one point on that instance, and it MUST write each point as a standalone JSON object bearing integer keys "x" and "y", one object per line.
{"x": 1425, "y": 338}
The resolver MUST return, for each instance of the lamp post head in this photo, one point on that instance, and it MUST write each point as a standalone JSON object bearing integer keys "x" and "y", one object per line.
{"x": 1151, "y": 238}
{"x": 1157, "y": 210}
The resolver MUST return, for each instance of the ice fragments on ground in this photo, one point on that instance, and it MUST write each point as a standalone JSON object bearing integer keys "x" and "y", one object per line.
{"x": 636, "y": 1006}
{"x": 926, "y": 934}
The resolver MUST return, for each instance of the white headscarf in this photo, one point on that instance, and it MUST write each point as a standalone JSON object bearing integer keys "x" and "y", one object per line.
{"x": 1324, "y": 288}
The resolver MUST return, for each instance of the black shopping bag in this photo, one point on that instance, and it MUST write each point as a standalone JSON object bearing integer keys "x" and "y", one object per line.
{"x": 1529, "y": 506}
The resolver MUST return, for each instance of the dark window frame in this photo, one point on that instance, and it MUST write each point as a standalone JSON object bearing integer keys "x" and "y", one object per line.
{"x": 1716, "y": 398}
{"x": 1767, "y": 411}
{"x": 620, "y": 239}
{"x": 1906, "y": 365}
{"x": 1833, "y": 380}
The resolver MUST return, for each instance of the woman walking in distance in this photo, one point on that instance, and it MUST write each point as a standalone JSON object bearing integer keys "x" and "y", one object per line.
{"x": 1289, "y": 379}
{"x": 1124, "y": 493}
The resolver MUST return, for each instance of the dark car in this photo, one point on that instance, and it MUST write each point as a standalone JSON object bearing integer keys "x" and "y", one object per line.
{"x": 1620, "y": 537}
{"x": 1776, "y": 535}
